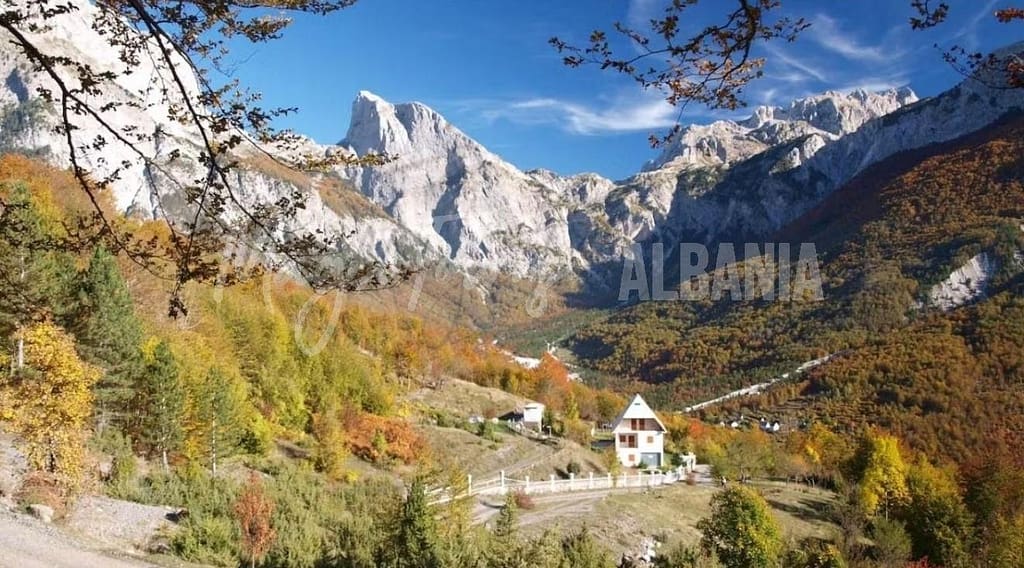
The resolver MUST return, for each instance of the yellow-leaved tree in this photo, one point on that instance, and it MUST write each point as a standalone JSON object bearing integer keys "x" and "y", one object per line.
{"x": 881, "y": 473}
{"x": 48, "y": 402}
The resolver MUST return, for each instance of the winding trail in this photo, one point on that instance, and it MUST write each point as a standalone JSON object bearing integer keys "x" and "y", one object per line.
{"x": 760, "y": 387}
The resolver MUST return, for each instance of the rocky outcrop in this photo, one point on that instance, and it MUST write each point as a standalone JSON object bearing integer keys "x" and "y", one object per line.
{"x": 965, "y": 284}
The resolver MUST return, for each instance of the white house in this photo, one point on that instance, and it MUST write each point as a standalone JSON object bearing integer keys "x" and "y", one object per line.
{"x": 639, "y": 435}
{"x": 533, "y": 415}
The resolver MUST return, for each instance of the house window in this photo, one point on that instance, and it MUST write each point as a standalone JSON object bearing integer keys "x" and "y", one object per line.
{"x": 636, "y": 424}
{"x": 627, "y": 440}
{"x": 650, "y": 439}
{"x": 632, "y": 457}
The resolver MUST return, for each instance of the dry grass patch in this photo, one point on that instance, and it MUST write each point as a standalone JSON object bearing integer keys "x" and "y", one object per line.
{"x": 619, "y": 520}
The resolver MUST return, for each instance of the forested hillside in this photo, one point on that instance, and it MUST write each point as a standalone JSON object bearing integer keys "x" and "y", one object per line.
{"x": 944, "y": 379}
{"x": 94, "y": 369}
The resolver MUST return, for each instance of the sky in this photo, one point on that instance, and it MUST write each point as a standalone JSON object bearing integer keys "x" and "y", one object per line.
{"x": 487, "y": 67}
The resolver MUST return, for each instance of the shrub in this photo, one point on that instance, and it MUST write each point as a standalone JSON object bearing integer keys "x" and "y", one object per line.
{"x": 573, "y": 467}
{"x": 741, "y": 530}
{"x": 44, "y": 489}
{"x": 892, "y": 543}
{"x": 523, "y": 500}
{"x": 207, "y": 540}
{"x": 486, "y": 431}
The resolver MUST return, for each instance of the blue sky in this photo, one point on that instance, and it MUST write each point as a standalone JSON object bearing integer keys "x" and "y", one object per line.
{"x": 486, "y": 66}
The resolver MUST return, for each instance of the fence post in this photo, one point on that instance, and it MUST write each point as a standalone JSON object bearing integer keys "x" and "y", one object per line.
{"x": 502, "y": 482}
{"x": 552, "y": 483}
{"x": 527, "y": 484}
{"x": 623, "y": 480}
{"x": 469, "y": 485}
{"x": 591, "y": 480}
{"x": 610, "y": 484}
{"x": 572, "y": 478}
{"x": 639, "y": 479}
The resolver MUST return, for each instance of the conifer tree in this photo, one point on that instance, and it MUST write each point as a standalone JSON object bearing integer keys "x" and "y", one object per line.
{"x": 415, "y": 542}
{"x": 109, "y": 333}
{"x": 160, "y": 402}
{"x": 580, "y": 550}
{"x": 505, "y": 526}
{"x": 220, "y": 417}
{"x": 254, "y": 512}
{"x": 23, "y": 241}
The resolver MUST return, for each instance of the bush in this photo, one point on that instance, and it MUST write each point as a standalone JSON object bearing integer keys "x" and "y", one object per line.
{"x": 523, "y": 500}
{"x": 892, "y": 543}
{"x": 207, "y": 540}
{"x": 741, "y": 530}
{"x": 573, "y": 467}
{"x": 486, "y": 431}
{"x": 41, "y": 488}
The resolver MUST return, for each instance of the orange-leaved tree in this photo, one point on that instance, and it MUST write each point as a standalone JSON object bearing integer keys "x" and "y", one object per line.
{"x": 254, "y": 511}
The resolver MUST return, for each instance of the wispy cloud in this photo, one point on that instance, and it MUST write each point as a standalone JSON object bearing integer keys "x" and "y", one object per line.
{"x": 969, "y": 33}
{"x": 825, "y": 31}
{"x": 640, "y": 12}
{"x": 647, "y": 112}
{"x": 796, "y": 64}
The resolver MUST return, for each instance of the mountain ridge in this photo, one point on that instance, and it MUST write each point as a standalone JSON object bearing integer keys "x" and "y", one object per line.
{"x": 449, "y": 200}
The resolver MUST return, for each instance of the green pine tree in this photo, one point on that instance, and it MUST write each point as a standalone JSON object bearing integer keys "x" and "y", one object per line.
{"x": 219, "y": 410}
{"x": 24, "y": 244}
{"x": 109, "y": 333}
{"x": 415, "y": 542}
{"x": 580, "y": 550}
{"x": 160, "y": 402}
{"x": 505, "y": 526}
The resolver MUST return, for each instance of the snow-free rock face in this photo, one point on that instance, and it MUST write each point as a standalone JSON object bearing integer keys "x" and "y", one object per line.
{"x": 965, "y": 284}
{"x": 151, "y": 186}
{"x": 827, "y": 116}
{"x": 485, "y": 213}
{"x": 451, "y": 191}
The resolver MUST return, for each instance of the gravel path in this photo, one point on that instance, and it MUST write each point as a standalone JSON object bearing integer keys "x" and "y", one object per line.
{"x": 28, "y": 543}
{"x": 117, "y": 525}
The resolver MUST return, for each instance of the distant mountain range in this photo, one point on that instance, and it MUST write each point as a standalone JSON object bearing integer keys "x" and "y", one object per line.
{"x": 448, "y": 199}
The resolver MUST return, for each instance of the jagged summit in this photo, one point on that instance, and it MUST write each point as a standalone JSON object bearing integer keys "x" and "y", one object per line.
{"x": 831, "y": 114}
{"x": 379, "y": 126}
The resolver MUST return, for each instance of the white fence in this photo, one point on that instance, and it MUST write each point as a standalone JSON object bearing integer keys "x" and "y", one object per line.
{"x": 589, "y": 482}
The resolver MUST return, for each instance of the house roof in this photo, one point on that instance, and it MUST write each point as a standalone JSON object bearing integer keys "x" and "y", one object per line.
{"x": 637, "y": 408}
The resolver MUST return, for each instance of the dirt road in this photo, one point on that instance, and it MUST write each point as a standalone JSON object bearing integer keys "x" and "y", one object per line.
{"x": 28, "y": 543}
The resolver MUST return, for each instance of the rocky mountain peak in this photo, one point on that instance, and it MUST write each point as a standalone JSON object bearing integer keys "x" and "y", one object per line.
{"x": 378, "y": 126}
{"x": 831, "y": 115}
